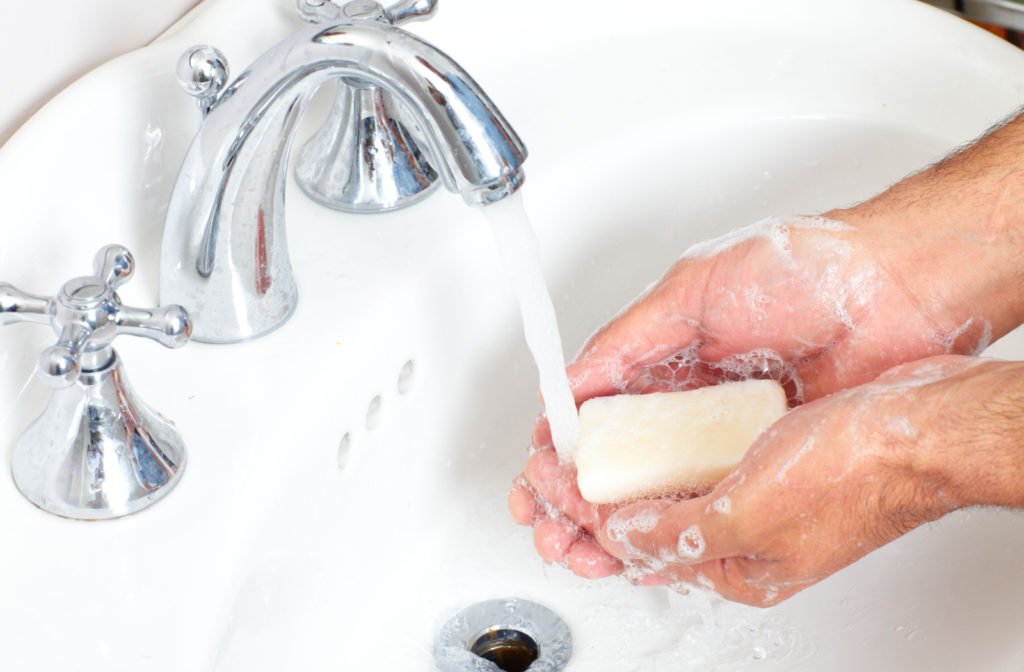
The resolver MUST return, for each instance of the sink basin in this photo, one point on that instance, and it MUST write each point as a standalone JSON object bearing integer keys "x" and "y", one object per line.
{"x": 345, "y": 492}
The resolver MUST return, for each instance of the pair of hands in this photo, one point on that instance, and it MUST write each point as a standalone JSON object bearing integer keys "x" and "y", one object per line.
{"x": 868, "y": 362}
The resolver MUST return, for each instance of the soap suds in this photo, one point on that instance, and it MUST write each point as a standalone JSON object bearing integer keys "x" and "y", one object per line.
{"x": 774, "y": 229}
{"x": 792, "y": 461}
{"x": 902, "y": 425}
{"x": 691, "y": 544}
{"x": 619, "y": 526}
{"x": 756, "y": 302}
{"x": 722, "y": 505}
{"x": 984, "y": 340}
{"x": 948, "y": 340}
{"x": 705, "y": 582}
{"x": 686, "y": 370}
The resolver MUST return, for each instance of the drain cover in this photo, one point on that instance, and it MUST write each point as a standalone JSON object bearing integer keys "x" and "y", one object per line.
{"x": 510, "y": 635}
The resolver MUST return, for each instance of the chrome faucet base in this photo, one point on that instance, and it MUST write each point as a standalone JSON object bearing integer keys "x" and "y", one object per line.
{"x": 97, "y": 451}
{"x": 364, "y": 159}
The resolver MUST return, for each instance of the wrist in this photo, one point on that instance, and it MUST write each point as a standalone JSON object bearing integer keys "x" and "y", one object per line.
{"x": 966, "y": 280}
{"x": 952, "y": 236}
{"x": 971, "y": 442}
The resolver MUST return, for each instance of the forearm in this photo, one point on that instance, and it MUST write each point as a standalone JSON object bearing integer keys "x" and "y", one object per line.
{"x": 971, "y": 443}
{"x": 953, "y": 234}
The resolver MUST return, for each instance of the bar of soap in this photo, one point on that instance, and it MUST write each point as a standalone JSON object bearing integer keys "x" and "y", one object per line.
{"x": 670, "y": 442}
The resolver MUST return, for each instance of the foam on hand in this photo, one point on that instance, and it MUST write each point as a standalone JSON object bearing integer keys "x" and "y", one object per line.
{"x": 670, "y": 442}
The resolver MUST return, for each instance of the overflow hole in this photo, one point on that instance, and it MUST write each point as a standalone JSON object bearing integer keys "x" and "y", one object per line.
{"x": 512, "y": 650}
{"x": 344, "y": 450}
{"x": 373, "y": 413}
{"x": 405, "y": 376}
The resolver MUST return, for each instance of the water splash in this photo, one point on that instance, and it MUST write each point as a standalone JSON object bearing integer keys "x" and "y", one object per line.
{"x": 693, "y": 632}
{"x": 521, "y": 254}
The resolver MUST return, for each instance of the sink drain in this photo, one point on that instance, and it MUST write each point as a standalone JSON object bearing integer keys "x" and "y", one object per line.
{"x": 509, "y": 635}
{"x": 510, "y": 649}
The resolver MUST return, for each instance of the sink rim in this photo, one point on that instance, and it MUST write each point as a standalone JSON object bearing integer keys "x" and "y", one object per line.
{"x": 443, "y": 214}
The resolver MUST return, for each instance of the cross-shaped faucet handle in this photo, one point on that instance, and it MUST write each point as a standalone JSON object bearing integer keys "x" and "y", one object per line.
{"x": 87, "y": 315}
{"x": 401, "y": 12}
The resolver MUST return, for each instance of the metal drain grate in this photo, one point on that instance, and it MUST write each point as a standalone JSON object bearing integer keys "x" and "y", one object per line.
{"x": 510, "y": 635}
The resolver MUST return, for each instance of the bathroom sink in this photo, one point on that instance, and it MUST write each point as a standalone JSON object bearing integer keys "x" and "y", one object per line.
{"x": 345, "y": 491}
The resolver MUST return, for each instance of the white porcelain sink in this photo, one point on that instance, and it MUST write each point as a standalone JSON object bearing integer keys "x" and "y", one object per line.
{"x": 648, "y": 130}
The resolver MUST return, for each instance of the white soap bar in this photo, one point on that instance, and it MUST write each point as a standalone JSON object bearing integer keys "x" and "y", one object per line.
{"x": 670, "y": 442}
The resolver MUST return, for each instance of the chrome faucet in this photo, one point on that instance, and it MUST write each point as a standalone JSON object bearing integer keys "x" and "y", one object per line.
{"x": 367, "y": 157}
{"x": 224, "y": 254}
{"x": 97, "y": 451}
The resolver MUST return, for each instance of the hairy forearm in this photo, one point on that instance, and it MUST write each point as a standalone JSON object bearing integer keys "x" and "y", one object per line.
{"x": 971, "y": 445}
{"x": 953, "y": 234}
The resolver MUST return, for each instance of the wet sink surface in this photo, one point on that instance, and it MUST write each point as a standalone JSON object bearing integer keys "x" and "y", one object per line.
{"x": 347, "y": 474}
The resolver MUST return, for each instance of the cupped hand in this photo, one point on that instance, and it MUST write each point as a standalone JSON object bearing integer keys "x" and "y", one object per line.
{"x": 806, "y": 301}
{"x": 828, "y": 483}
{"x": 810, "y": 301}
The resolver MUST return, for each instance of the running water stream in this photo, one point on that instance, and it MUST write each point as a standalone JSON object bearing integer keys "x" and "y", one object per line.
{"x": 521, "y": 254}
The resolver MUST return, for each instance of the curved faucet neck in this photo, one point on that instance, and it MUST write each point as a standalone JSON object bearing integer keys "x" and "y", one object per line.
{"x": 224, "y": 253}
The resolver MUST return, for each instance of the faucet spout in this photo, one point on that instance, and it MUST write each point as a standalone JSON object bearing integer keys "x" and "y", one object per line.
{"x": 224, "y": 253}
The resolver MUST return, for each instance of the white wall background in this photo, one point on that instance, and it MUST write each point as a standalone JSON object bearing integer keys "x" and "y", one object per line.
{"x": 46, "y": 46}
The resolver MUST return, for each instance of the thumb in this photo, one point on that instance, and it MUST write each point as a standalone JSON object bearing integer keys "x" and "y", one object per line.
{"x": 667, "y": 532}
{"x": 694, "y": 544}
{"x": 647, "y": 332}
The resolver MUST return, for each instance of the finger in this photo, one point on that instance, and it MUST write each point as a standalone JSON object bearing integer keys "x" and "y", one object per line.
{"x": 745, "y": 580}
{"x": 522, "y": 502}
{"x": 555, "y": 483}
{"x": 553, "y": 537}
{"x": 694, "y": 544}
{"x": 662, "y": 535}
{"x": 621, "y": 532}
{"x": 650, "y": 579}
{"x": 663, "y": 532}
{"x": 559, "y": 541}
{"x": 541, "y": 437}
{"x": 640, "y": 575}
{"x": 651, "y": 330}
{"x": 586, "y": 558}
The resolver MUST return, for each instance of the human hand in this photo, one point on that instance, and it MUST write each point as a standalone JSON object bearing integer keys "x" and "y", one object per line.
{"x": 806, "y": 301}
{"x": 809, "y": 301}
{"x": 835, "y": 479}
{"x": 930, "y": 266}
